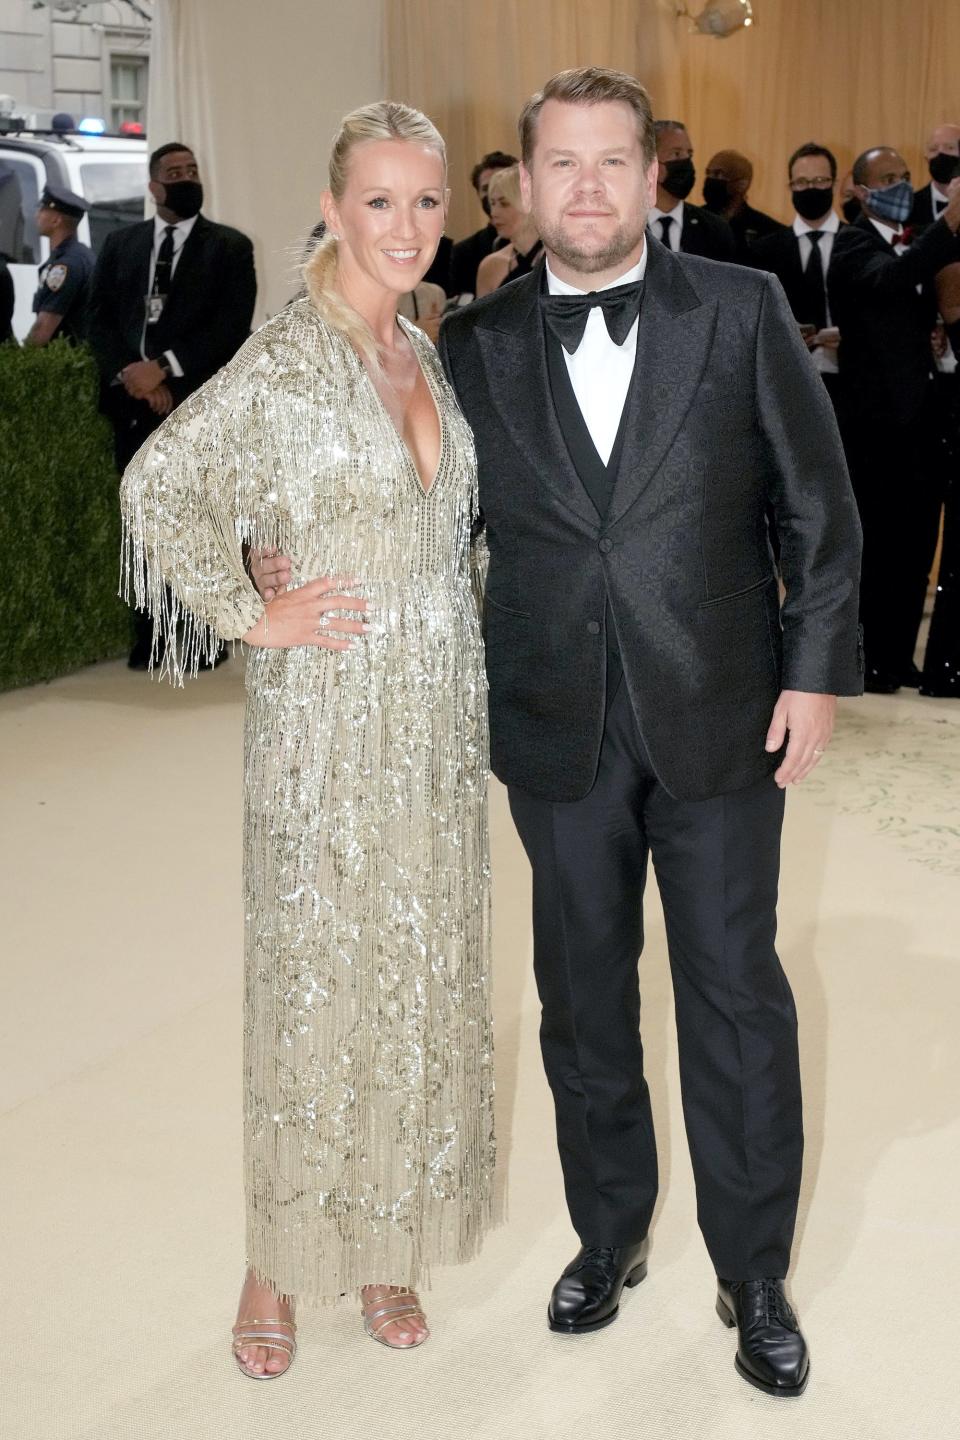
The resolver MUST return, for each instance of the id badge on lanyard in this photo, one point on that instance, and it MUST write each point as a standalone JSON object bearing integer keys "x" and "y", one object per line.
{"x": 154, "y": 306}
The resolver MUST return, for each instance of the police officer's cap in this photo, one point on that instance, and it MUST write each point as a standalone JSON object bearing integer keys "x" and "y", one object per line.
{"x": 58, "y": 197}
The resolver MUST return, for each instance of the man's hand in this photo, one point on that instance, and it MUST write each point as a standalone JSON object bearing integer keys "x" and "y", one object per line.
{"x": 160, "y": 400}
{"x": 808, "y": 720}
{"x": 143, "y": 376}
{"x": 269, "y": 571}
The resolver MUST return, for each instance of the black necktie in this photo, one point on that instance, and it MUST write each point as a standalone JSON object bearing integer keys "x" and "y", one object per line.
{"x": 164, "y": 265}
{"x": 666, "y": 223}
{"x": 567, "y": 315}
{"x": 813, "y": 275}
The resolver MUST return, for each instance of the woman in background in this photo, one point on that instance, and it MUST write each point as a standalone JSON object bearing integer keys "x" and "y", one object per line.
{"x": 513, "y": 223}
{"x": 334, "y": 438}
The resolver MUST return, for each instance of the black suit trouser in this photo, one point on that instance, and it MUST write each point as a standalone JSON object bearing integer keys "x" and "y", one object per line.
{"x": 717, "y": 866}
{"x": 133, "y": 422}
{"x": 898, "y": 474}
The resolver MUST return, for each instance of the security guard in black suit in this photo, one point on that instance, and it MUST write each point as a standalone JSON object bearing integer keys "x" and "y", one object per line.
{"x": 680, "y": 225}
{"x": 60, "y": 303}
{"x": 172, "y": 301}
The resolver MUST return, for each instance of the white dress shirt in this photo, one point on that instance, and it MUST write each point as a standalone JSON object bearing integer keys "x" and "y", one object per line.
{"x": 600, "y": 371}
{"x": 676, "y": 229}
{"x": 181, "y": 231}
{"x": 824, "y": 359}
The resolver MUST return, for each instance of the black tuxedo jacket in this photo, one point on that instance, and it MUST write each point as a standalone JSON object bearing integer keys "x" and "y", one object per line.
{"x": 466, "y": 258}
{"x": 208, "y": 311}
{"x": 780, "y": 254}
{"x": 705, "y": 234}
{"x": 725, "y": 417}
{"x": 885, "y": 324}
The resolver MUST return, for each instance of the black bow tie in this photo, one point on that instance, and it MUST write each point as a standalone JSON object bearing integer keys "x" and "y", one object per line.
{"x": 567, "y": 315}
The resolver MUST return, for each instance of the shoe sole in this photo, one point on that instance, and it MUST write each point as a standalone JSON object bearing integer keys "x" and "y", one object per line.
{"x": 587, "y": 1328}
{"x": 784, "y": 1391}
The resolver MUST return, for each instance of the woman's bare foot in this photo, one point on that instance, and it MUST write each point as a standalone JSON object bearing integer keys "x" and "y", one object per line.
{"x": 410, "y": 1326}
{"x": 258, "y": 1307}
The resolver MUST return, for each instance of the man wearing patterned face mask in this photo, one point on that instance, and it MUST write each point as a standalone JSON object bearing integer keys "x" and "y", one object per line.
{"x": 680, "y": 225}
{"x": 882, "y": 297}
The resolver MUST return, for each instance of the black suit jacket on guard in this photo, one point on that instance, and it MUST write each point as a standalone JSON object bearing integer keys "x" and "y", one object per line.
{"x": 208, "y": 311}
{"x": 725, "y": 416}
{"x": 705, "y": 234}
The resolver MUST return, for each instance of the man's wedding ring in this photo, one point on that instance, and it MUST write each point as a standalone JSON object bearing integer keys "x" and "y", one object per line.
{"x": 819, "y": 752}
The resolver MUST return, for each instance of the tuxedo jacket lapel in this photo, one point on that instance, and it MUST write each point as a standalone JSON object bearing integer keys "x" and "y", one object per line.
{"x": 673, "y": 342}
{"x": 515, "y": 364}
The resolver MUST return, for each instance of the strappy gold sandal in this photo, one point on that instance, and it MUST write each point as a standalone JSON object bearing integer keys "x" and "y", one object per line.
{"x": 272, "y": 1339}
{"x": 395, "y": 1305}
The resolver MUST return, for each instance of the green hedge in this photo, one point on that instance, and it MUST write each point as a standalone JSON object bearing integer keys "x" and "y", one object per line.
{"x": 59, "y": 518}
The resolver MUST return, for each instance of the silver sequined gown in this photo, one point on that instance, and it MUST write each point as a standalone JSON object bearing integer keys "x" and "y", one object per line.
{"x": 367, "y": 1040}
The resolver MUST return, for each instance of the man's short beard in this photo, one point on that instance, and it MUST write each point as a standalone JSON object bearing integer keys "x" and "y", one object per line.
{"x": 622, "y": 242}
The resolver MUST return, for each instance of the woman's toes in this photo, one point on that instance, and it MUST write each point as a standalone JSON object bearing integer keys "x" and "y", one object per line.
{"x": 277, "y": 1361}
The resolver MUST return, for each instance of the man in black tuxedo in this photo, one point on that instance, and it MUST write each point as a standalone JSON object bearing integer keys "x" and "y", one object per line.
{"x": 943, "y": 161}
{"x": 636, "y": 412}
{"x": 729, "y": 176}
{"x": 800, "y": 257}
{"x": 882, "y": 297}
{"x": 680, "y": 225}
{"x": 468, "y": 253}
{"x": 171, "y": 302}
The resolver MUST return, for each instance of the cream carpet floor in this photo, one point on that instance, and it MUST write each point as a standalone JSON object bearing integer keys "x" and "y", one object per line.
{"x": 120, "y": 1202}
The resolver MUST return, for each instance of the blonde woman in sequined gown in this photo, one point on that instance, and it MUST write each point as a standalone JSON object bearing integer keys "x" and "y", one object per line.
{"x": 334, "y": 438}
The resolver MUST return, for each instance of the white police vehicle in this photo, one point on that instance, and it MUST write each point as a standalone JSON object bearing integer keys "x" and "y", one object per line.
{"x": 109, "y": 171}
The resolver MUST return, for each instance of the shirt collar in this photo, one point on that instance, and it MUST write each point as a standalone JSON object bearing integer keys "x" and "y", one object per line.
{"x": 830, "y": 226}
{"x": 887, "y": 232}
{"x": 675, "y": 214}
{"x": 557, "y": 286}
{"x": 940, "y": 197}
{"x": 181, "y": 229}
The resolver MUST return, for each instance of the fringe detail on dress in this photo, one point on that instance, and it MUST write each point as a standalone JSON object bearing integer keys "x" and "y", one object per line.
{"x": 368, "y": 1063}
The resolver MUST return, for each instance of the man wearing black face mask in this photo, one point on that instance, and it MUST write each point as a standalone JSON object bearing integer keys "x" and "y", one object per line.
{"x": 680, "y": 225}
{"x": 800, "y": 257}
{"x": 882, "y": 296}
{"x": 943, "y": 162}
{"x": 725, "y": 190}
{"x": 171, "y": 302}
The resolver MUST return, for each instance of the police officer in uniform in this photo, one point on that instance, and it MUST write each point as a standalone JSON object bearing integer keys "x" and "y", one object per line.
{"x": 60, "y": 303}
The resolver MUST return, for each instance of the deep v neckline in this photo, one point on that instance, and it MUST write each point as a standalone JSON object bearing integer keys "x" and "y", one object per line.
{"x": 425, "y": 490}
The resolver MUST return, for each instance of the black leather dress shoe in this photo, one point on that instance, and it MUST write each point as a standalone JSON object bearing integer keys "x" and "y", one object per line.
{"x": 880, "y": 682}
{"x": 772, "y": 1354}
{"x": 587, "y": 1295}
{"x": 911, "y": 678}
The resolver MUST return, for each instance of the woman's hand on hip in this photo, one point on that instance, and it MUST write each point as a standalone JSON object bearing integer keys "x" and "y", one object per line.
{"x": 302, "y": 617}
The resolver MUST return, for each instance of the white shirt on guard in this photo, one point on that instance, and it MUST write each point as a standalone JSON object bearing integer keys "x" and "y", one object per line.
{"x": 600, "y": 371}
{"x": 181, "y": 231}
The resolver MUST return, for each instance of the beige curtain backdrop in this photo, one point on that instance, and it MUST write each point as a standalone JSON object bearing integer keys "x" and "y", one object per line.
{"x": 257, "y": 90}
{"x": 849, "y": 73}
